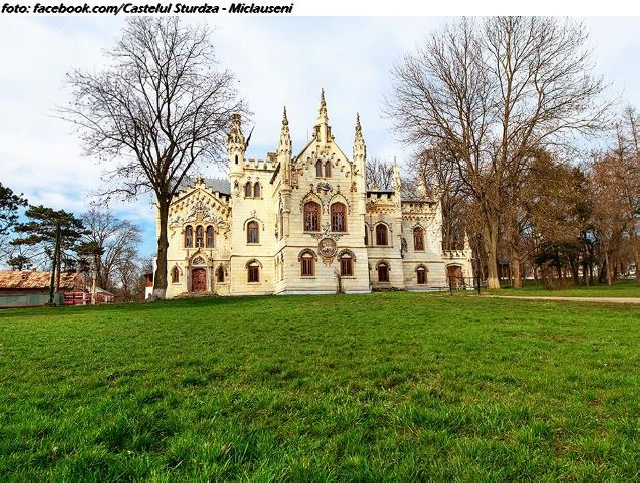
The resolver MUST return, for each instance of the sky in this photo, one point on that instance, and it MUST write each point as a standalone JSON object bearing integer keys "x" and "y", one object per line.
{"x": 277, "y": 61}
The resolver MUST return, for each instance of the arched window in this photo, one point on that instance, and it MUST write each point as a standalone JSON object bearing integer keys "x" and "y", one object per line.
{"x": 422, "y": 275}
{"x": 366, "y": 234}
{"x": 306, "y": 265}
{"x": 256, "y": 190}
{"x": 199, "y": 236}
{"x": 418, "y": 238}
{"x": 247, "y": 190}
{"x": 346, "y": 265}
{"x": 253, "y": 272}
{"x": 280, "y": 224}
{"x": 311, "y": 216}
{"x": 338, "y": 217}
{"x": 220, "y": 274}
{"x": 327, "y": 169}
{"x": 236, "y": 159}
{"x": 210, "y": 238}
{"x": 188, "y": 236}
{"x": 383, "y": 272}
{"x": 381, "y": 234}
{"x": 319, "y": 169}
{"x": 175, "y": 275}
{"x": 252, "y": 232}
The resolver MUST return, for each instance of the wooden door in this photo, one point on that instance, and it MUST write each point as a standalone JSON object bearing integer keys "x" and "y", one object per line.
{"x": 455, "y": 276}
{"x": 198, "y": 280}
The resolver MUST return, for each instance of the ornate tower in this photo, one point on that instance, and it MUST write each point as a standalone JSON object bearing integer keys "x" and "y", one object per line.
{"x": 235, "y": 150}
{"x": 322, "y": 128}
{"x": 284, "y": 160}
{"x": 360, "y": 157}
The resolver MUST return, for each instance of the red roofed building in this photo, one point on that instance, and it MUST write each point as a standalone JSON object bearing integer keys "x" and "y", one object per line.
{"x": 31, "y": 288}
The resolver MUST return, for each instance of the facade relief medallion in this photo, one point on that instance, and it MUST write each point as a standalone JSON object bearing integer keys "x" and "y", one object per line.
{"x": 327, "y": 248}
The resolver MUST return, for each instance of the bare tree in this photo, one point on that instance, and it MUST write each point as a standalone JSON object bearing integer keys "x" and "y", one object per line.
{"x": 114, "y": 238}
{"x": 491, "y": 93}
{"x": 159, "y": 107}
{"x": 379, "y": 175}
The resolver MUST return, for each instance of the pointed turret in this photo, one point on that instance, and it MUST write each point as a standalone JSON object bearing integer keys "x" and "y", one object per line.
{"x": 397, "y": 183}
{"x": 359, "y": 146}
{"x": 360, "y": 156}
{"x": 284, "y": 150}
{"x": 236, "y": 146}
{"x": 322, "y": 128}
{"x": 284, "y": 145}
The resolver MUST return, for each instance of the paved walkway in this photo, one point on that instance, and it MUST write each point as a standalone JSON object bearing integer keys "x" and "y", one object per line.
{"x": 620, "y": 300}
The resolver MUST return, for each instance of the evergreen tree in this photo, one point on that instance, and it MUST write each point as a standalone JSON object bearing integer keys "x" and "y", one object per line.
{"x": 56, "y": 231}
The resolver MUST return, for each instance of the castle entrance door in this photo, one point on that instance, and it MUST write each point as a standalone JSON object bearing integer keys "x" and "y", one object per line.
{"x": 198, "y": 279}
{"x": 454, "y": 274}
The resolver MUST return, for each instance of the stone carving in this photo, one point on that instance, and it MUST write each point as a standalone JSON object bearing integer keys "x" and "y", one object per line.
{"x": 327, "y": 248}
{"x": 326, "y": 233}
{"x": 324, "y": 187}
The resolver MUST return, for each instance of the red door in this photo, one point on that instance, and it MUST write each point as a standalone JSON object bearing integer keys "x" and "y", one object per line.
{"x": 198, "y": 280}
{"x": 455, "y": 276}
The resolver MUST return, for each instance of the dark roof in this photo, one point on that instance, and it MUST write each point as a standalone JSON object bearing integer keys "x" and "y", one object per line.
{"x": 217, "y": 185}
{"x": 32, "y": 279}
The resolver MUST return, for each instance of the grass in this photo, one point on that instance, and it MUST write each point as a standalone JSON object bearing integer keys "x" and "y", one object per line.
{"x": 387, "y": 386}
{"x": 621, "y": 288}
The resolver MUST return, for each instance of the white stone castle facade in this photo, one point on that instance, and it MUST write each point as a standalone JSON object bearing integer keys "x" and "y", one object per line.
{"x": 304, "y": 223}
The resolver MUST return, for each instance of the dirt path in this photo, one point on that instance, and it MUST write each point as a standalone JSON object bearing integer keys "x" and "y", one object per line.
{"x": 620, "y": 300}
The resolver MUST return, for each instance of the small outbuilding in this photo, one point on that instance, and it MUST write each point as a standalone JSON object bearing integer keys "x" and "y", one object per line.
{"x": 31, "y": 288}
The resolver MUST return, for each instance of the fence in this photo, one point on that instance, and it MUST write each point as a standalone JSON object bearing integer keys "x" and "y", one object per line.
{"x": 465, "y": 283}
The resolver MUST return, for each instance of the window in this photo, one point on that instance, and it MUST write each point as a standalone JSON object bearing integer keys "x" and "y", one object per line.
{"x": 366, "y": 235}
{"x": 188, "y": 236}
{"x": 346, "y": 266}
{"x": 422, "y": 275}
{"x": 319, "y": 169}
{"x": 247, "y": 190}
{"x": 253, "y": 272}
{"x": 338, "y": 217}
{"x": 383, "y": 272}
{"x": 256, "y": 190}
{"x": 175, "y": 275}
{"x": 418, "y": 238}
{"x": 252, "y": 232}
{"x": 220, "y": 274}
{"x": 311, "y": 216}
{"x": 306, "y": 265}
{"x": 381, "y": 234}
{"x": 327, "y": 169}
{"x": 210, "y": 242}
{"x": 280, "y": 224}
{"x": 199, "y": 236}
{"x": 236, "y": 159}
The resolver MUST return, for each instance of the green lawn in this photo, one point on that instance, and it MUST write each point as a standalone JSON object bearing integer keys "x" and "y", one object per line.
{"x": 393, "y": 386}
{"x": 622, "y": 288}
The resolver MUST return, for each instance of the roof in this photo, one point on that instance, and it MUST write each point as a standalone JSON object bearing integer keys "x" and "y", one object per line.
{"x": 217, "y": 185}
{"x": 32, "y": 279}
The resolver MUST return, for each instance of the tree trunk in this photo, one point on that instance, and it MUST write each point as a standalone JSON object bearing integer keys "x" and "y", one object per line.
{"x": 160, "y": 277}
{"x": 95, "y": 279}
{"x": 635, "y": 247}
{"x": 608, "y": 264}
{"x": 490, "y": 228}
{"x": 517, "y": 269}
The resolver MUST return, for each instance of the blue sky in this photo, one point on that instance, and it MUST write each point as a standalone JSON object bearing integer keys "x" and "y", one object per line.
{"x": 277, "y": 61}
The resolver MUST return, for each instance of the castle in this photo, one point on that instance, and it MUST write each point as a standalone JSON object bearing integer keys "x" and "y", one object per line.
{"x": 304, "y": 224}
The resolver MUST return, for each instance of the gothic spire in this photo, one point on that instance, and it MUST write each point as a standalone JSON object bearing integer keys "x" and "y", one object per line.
{"x": 359, "y": 146}
{"x": 235, "y": 135}
{"x": 285, "y": 139}
{"x": 323, "y": 116}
